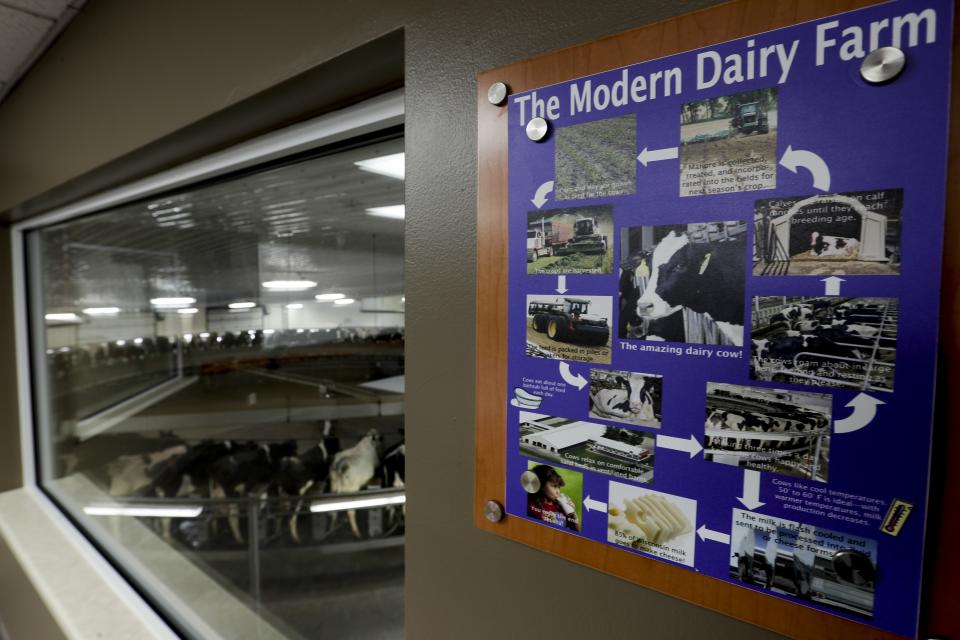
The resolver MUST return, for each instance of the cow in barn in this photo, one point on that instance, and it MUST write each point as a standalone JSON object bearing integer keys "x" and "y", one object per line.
{"x": 354, "y": 468}
{"x": 631, "y": 325}
{"x": 714, "y": 421}
{"x": 300, "y": 474}
{"x": 393, "y": 472}
{"x": 246, "y": 470}
{"x": 707, "y": 278}
{"x": 641, "y": 397}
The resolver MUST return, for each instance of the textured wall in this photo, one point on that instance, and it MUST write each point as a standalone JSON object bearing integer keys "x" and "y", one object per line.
{"x": 130, "y": 72}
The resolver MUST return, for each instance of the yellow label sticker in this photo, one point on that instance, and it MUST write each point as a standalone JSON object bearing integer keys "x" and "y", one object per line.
{"x": 896, "y": 516}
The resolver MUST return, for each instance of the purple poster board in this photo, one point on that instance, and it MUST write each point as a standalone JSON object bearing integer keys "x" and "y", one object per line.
{"x": 723, "y": 296}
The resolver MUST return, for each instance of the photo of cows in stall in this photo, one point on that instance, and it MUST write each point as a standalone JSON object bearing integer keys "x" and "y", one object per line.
{"x": 825, "y": 341}
{"x": 683, "y": 283}
{"x": 774, "y": 430}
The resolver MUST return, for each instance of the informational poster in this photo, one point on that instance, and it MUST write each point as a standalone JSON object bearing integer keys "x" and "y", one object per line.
{"x": 724, "y": 278}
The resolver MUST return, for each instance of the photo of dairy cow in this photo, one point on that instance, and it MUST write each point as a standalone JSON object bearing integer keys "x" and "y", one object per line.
{"x": 683, "y": 283}
{"x": 825, "y": 341}
{"x": 626, "y": 396}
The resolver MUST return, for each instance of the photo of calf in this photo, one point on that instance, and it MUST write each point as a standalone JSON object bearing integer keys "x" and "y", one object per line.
{"x": 825, "y": 341}
{"x": 626, "y": 396}
{"x": 774, "y": 430}
{"x": 683, "y": 283}
{"x": 614, "y": 451}
{"x": 845, "y": 233}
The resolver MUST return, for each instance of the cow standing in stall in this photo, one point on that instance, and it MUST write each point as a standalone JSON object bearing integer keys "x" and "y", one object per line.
{"x": 354, "y": 468}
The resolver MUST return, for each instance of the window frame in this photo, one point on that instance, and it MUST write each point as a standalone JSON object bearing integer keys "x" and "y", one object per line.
{"x": 113, "y": 564}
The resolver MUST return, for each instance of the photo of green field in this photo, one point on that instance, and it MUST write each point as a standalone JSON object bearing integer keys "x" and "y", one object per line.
{"x": 574, "y": 240}
{"x": 596, "y": 159}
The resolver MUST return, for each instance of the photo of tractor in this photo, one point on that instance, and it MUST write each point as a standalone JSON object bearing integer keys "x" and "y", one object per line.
{"x": 569, "y": 328}
{"x": 570, "y": 321}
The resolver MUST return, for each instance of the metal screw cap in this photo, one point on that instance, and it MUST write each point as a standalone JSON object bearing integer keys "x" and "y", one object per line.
{"x": 537, "y": 129}
{"x": 530, "y": 482}
{"x": 497, "y": 93}
{"x": 493, "y": 511}
{"x": 882, "y": 65}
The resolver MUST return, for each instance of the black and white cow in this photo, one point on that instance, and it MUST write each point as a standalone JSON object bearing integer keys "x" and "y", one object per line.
{"x": 833, "y": 246}
{"x": 707, "y": 278}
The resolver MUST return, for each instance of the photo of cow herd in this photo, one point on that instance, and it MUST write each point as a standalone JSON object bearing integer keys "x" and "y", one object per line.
{"x": 825, "y": 341}
{"x": 775, "y": 430}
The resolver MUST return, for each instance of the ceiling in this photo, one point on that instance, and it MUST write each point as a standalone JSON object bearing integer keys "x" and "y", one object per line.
{"x": 218, "y": 243}
{"x": 27, "y": 28}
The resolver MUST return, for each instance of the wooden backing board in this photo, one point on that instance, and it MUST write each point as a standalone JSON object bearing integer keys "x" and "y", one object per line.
{"x": 692, "y": 31}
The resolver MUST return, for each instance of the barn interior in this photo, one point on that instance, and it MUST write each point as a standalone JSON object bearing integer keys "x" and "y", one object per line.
{"x": 206, "y": 354}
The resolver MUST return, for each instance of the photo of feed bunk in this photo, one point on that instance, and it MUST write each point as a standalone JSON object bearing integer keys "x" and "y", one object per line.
{"x": 840, "y": 342}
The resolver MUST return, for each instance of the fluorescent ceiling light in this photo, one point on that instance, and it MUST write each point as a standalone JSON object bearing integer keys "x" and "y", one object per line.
{"x": 269, "y": 332}
{"x": 359, "y": 503}
{"x": 188, "y": 337}
{"x": 138, "y": 341}
{"x": 144, "y": 511}
{"x": 101, "y": 311}
{"x": 289, "y": 285}
{"x": 326, "y": 297}
{"x": 62, "y": 317}
{"x": 121, "y": 343}
{"x": 393, "y": 211}
{"x": 204, "y": 335}
{"x": 242, "y": 305}
{"x": 293, "y": 306}
{"x": 344, "y": 301}
{"x": 392, "y": 166}
{"x": 172, "y": 303}
{"x": 189, "y": 311}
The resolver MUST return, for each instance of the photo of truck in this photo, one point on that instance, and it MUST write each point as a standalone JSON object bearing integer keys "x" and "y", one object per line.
{"x": 574, "y": 240}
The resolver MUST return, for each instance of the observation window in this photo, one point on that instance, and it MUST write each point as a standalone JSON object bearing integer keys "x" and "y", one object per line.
{"x": 218, "y": 392}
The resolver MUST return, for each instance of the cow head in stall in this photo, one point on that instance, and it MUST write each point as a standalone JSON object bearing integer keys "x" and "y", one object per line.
{"x": 706, "y": 278}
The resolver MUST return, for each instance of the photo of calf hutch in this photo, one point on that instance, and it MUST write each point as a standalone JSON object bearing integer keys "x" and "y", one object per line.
{"x": 838, "y": 234}
{"x": 825, "y": 341}
{"x": 683, "y": 283}
{"x": 774, "y": 430}
{"x": 569, "y": 327}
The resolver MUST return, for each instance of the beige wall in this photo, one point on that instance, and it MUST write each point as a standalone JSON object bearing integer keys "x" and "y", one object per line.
{"x": 129, "y": 72}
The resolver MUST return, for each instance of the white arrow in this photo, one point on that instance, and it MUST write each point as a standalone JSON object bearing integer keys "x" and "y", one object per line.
{"x": 794, "y": 158}
{"x": 652, "y": 155}
{"x": 540, "y": 197}
{"x": 592, "y": 505}
{"x": 710, "y": 534}
{"x": 561, "y": 284}
{"x": 691, "y": 446}
{"x": 832, "y": 285}
{"x": 568, "y": 377}
{"x": 751, "y": 490}
{"x": 864, "y": 411}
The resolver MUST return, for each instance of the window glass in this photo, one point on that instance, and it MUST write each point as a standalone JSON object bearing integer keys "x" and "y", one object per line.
{"x": 218, "y": 376}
